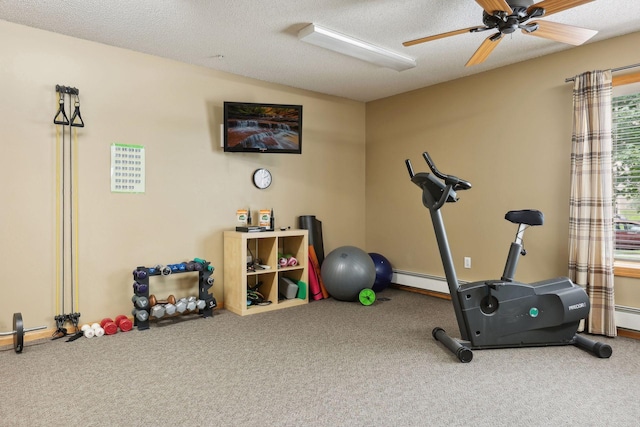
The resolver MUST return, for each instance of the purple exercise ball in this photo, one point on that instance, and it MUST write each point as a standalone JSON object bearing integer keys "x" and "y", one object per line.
{"x": 384, "y": 272}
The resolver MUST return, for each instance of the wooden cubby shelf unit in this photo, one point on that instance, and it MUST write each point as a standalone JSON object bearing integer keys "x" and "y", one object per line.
{"x": 264, "y": 245}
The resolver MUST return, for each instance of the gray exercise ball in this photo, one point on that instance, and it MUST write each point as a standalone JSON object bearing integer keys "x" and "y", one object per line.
{"x": 346, "y": 271}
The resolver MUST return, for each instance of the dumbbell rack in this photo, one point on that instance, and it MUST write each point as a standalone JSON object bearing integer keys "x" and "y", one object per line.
{"x": 205, "y": 282}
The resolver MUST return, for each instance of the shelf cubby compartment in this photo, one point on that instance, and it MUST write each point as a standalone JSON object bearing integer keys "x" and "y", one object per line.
{"x": 268, "y": 286}
{"x": 264, "y": 246}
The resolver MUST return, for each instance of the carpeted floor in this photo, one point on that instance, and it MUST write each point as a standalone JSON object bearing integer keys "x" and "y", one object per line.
{"x": 328, "y": 363}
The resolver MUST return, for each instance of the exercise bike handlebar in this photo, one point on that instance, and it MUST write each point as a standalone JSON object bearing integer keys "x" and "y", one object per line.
{"x": 456, "y": 183}
{"x": 409, "y": 168}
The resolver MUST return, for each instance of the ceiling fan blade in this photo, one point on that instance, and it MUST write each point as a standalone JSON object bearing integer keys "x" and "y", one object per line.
{"x": 555, "y": 6}
{"x": 440, "y": 36}
{"x": 561, "y": 32}
{"x": 491, "y": 6}
{"x": 484, "y": 50}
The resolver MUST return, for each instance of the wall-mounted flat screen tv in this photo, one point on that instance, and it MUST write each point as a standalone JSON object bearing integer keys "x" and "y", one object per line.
{"x": 262, "y": 128}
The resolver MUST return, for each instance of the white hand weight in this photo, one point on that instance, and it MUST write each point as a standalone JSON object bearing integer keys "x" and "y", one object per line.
{"x": 88, "y": 331}
{"x": 98, "y": 331}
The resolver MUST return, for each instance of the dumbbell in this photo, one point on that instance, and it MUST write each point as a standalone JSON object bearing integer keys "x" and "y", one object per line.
{"x": 181, "y": 305}
{"x": 194, "y": 265}
{"x": 88, "y": 331}
{"x": 98, "y": 330}
{"x": 194, "y": 303}
{"x": 111, "y": 327}
{"x": 160, "y": 308}
{"x": 140, "y": 288}
{"x": 204, "y": 262}
{"x": 158, "y": 311}
{"x": 177, "y": 267}
{"x": 165, "y": 271}
{"x": 170, "y": 309}
{"x": 139, "y": 274}
{"x": 141, "y": 315}
{"x": 153, "y": 300}
{"x": 191, "y": 303}
{"x": 123, "y": 323}
{"x": 140, "y": 301}
{"x": 94, "y": 330}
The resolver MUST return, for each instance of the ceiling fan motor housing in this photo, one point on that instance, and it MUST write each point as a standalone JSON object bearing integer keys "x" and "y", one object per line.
{"x": 519, "y": 3}
{"x": 510, "y": 25}
{"x": 507, "y": 24}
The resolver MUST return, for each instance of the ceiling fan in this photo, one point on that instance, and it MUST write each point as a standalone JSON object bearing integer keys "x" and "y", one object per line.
{"x": 506, "y": 16}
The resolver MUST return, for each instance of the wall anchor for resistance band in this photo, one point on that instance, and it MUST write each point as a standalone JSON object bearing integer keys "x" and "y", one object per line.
{"x": 61, "y": 116}
{"x": 67, "y": 89}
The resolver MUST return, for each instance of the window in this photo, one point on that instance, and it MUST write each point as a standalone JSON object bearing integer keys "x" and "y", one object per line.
{"x": 626, "y": 170}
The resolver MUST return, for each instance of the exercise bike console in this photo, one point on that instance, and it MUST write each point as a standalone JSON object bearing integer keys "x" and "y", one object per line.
{"x": 503, "y": 313}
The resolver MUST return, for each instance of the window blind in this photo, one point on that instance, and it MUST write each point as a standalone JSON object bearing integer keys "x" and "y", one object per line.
{"x": 626, "y": 174}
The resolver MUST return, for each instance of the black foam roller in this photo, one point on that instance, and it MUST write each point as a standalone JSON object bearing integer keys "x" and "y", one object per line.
{"x": 310, "y": 223}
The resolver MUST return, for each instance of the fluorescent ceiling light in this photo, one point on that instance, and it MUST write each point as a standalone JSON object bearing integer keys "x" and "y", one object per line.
{"x": 349, "y": 46}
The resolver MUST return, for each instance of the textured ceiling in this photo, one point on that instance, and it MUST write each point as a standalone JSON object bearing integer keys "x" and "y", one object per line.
{"x": 259, "y": 39}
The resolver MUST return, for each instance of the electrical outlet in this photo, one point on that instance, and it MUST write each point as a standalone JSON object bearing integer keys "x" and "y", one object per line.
{"x": 467, "y": 262}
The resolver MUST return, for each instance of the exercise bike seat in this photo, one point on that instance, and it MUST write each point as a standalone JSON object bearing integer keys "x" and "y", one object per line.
{"x": 525, "y": 216}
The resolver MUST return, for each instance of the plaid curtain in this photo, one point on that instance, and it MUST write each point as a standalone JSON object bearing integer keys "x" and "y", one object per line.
{"x": 591, "y": 238}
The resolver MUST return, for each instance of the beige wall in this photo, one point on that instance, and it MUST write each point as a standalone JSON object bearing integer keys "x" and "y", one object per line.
{"x": 192, "y": 187}
{"x": 508, "y": 131}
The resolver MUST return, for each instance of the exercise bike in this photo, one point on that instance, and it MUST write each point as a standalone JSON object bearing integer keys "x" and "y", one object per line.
{"x": 503, "y": 313}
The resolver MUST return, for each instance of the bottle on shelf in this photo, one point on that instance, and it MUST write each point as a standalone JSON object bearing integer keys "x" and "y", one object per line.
{"x": 272, "y": 220}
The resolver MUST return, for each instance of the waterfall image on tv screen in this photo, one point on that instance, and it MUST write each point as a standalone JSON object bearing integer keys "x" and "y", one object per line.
{"x": 262, "y": 127}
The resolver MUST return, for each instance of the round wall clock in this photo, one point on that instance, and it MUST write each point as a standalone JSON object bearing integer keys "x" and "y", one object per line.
{"x": 262, "y": 178}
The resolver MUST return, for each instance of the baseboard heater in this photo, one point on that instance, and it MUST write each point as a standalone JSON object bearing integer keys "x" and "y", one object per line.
{"x": 626, "y": 317}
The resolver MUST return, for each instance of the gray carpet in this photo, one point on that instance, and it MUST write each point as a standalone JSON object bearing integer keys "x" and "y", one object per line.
{"x": 328, "y": 363}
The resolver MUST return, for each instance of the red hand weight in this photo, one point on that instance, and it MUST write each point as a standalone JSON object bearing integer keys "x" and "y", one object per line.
{"x": 124, "y": 323}
{"x": 109, "y": 326}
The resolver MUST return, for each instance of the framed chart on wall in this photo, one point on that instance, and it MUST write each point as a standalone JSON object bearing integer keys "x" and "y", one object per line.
{"x": 127, "y": 168}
